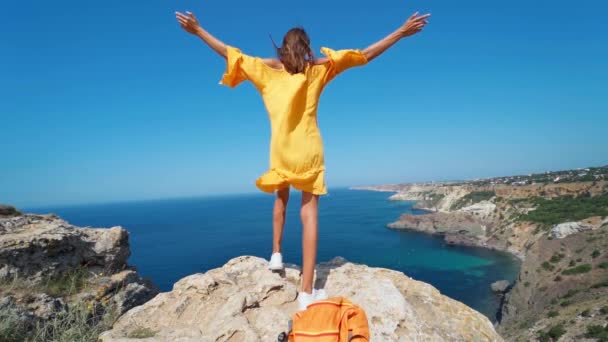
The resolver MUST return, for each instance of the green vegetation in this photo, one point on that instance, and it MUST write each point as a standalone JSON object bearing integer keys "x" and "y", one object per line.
{"x": 526, "y": 324}
{"x": 552, "y": 314}
{"x": 565, "y": 303}
{"x": 553, "y": 334}
{"x": 141, "y": 332}
{"x": 557, "y": 257}
{"x": 595, "y": 254}
{"x": 584, "y": 268}
{"x": 58, "y": 286}
{"x": 603, "y": 265}
{"x": 472, "y": 198}
{"x": 604, "y": 310}
{"x": 80, "y": 321}
{"x": 598, "y": 332}
{"x": 65, "y": 284}
{"x": 12, "y": 329}
{"x": 432, "y": 199}
{"x": 572, "y": 263}
{"x": 571, "y": 293}
{"x": 600, "y": 284}
{"x": 586, "y": 313}
{"x": 547, "y": 266}
{"x": 566, "y": 208}
{"x": 514, "y": 201}
{"x": 527, "y": 284}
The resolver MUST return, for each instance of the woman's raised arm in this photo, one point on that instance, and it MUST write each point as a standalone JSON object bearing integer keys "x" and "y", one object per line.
{"x": 190, "y": 24}
{"x": 412, "y": 26}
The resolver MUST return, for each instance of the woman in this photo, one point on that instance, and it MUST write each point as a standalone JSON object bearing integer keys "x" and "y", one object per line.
{"x": 290, "y": 86}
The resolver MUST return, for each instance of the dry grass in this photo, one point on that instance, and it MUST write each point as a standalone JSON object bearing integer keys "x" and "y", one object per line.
{"x": 79, "y": 322}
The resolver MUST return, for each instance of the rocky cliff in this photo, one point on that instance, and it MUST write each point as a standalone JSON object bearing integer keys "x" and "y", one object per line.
{"x": 558, "y": 230}
{"x": 52, "y": 271}
{"x": 486, "y": 216}
{"x": 562, "y": 286}
{"x": 244, "y": 301}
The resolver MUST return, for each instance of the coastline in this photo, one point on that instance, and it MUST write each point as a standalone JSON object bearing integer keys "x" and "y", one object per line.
{"x": 242, "y": 298}
{"x": 443, "y": 234}
{"x": 557, "y": 230}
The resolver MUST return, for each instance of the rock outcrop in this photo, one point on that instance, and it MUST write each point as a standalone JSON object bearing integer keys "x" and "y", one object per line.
{"x": 48, "y": 266}
{"x": 33, "y": 247}
{"x": 7, "y": 210}
{"x": 560, "y": 231}
{"x": 500, "y": 286}
{"x": 244, "y": 301}
{"x": 457, "y": 228}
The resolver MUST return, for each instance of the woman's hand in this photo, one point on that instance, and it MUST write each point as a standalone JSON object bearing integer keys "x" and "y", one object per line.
{"x": 188, "y": 22}
{"x": 413, "y": 25}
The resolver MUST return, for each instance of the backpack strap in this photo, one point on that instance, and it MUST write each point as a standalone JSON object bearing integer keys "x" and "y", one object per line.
{"x": 284, "y": 336}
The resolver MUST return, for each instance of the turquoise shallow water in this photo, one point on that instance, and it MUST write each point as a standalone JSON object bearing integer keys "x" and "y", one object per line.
{"x": 174, "y": 238}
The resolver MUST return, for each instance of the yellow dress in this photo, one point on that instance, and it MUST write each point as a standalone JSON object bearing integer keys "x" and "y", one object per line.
{"x": 296, "y": 148}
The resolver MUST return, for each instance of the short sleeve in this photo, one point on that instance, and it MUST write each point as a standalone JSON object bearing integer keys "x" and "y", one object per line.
{"x": 241, "y": 67}
{"x": 340, "y": 60}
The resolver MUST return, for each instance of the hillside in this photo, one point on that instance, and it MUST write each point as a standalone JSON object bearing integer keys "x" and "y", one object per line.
{"x": 556, "y": 223}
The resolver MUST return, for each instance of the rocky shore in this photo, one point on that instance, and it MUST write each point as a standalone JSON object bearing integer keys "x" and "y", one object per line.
{"x": 563, "y": 279}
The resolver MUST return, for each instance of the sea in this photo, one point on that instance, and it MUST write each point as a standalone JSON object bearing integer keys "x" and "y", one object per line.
{"x": 173, "y": 238}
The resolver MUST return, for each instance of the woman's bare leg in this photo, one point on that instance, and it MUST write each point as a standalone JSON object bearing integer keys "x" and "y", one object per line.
{"x": 278, "y": 218}
{"x": 309, "y": 214}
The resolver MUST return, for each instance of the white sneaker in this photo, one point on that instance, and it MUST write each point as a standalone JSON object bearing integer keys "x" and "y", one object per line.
{"x": 276, "y": 262}
{"x": 304, "y": 300}
{"x": 319, "y": 294}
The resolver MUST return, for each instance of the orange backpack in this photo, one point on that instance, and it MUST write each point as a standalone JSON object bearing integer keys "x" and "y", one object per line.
{"x": 331, "y": 320}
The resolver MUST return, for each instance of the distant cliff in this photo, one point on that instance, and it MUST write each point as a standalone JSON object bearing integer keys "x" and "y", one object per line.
{"x": 559, "y": 230}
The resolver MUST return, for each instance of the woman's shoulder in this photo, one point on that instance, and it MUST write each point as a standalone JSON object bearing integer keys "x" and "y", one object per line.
{"x": 273, "y": 63}
{"x": 276, "y": 63}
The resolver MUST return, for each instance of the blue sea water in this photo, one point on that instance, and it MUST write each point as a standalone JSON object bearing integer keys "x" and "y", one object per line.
{"x": 174, "y": 238}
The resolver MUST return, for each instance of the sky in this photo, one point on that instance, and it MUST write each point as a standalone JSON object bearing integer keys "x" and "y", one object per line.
{"x": 111, "y": 100}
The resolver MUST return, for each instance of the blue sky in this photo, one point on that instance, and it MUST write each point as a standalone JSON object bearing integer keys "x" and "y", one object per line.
{"x": 104, "y": 101}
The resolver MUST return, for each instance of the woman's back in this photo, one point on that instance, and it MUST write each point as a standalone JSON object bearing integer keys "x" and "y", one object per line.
{"x": 291, "y": 100}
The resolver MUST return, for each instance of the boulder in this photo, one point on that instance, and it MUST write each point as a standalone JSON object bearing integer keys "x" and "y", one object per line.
{"x": 244, "y": 301}
{"x": 500, "y": 286}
